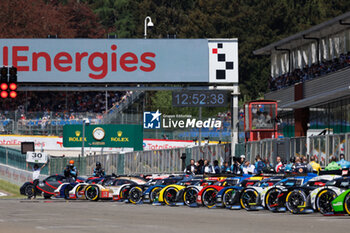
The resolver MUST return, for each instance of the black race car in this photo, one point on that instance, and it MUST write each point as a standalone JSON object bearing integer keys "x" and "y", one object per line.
{"x": 45, "y": 187}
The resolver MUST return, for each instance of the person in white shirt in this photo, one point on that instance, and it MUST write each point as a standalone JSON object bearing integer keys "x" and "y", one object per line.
{"x": 279, "y": 164}
{"x": 36, "y": 174}
{"x": 248, "y": 168}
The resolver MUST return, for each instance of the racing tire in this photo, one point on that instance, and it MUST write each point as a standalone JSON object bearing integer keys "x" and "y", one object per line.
{"x": 347, "y": 204}
{"x": 324, "y": 201}
{"x": 29, "y": 190}
{"x": 209, "y": 197}
{"x": 77, "y": 190}
{"x": 229, "y": 197}
{"x": 190, "y": 196}
{"x": 154, "y": 194}
{"x": 135, "y": 195}
{"x": 249, "y": 197}
{"x": 124, "y": 193}
{"x": 296, "y": 201}
{"x": 272, "y": 201}
{"x": 170, "y": 195}
{"x": 92, "y": 193}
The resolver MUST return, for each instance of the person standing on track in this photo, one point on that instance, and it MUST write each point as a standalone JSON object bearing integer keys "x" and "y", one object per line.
{"x": 98, "y": 170}
{"x": 71, "y": 172}
{"x": 36, "y": 174}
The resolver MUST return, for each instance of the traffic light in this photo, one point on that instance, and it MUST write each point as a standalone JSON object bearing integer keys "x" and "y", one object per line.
{"x": 8, "y": 84}
{"x": 13, "y": 82}
{"x": 3, "y": 72}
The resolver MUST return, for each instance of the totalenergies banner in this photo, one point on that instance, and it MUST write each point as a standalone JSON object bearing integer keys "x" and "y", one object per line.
{"x": 121, "y": 60}
{"x": 54, "y": 143}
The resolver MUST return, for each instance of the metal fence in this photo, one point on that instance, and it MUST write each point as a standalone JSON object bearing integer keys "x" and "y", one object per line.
{"x": 169, "y": 160}
{"x": 323, "y": 147}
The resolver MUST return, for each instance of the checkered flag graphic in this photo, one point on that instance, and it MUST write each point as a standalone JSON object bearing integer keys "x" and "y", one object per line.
{"x": 223, "y": 65}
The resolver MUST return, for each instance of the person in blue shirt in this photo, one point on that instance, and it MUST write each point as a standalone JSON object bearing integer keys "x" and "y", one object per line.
{"x": 289, "y": 166}
{"x": 342, "y": 162}
{"x": 216, "y": 167}
{"x": 225, "y": 168}
{"x": 259, "y": 165}
{"x": 71, "y": 172}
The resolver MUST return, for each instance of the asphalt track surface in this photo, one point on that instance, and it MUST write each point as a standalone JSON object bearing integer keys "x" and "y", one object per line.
{"x": 17, "y": 216}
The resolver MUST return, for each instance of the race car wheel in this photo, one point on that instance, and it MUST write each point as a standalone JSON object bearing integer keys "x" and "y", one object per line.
{"x": 347, "y": 203}
{"x": 154, "y": 193}
{"x": 249, "y": 198}
{"x": 209, "y": 197}
{"x": 324, "y": 201}
{"x": 228, "y": 197}
{"x": 296, "y": 201}
{"x": 68, "y": 188}
{"x": 135, "y": 195}
{"x": 272, "y": 199}
{"x": 170, "y": 195}
{"x": 92, "y": 193}
{"x": 78, "y": 189}
{"x": 190, "y": 196}
{"x": 29, "y": 190}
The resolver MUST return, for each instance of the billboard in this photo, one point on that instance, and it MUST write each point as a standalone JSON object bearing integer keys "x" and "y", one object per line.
{"x": 122, "y": 60}
{"x": 121, "y": 136}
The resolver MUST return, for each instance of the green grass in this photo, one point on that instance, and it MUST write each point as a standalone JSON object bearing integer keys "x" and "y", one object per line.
{"x": 10, "y": 188}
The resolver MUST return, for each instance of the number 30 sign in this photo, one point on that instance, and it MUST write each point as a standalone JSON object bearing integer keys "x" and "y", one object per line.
{"x": 36, "y": 157}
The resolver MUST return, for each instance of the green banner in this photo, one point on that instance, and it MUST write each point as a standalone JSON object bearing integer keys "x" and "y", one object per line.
{"x": 130, "y": 136}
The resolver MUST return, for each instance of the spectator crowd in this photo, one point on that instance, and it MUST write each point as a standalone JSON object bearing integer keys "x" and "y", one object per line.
{"x": 309, "y": 72}
{"x": 242, "y": 166}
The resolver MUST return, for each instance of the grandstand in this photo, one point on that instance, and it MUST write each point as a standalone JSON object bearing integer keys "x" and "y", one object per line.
{"x": 310, "y": 78}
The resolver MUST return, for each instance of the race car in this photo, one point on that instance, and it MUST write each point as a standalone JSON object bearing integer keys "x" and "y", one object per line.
{"x": 169, "y": 194}
{"x": 274, "y": 197}
{"x": 188, "y": 195}
{"x": 148, "y": 193}
{"x": 321, "y": 198}
{"x": 298, "y": 199}
{"x": 70, "y": 190}
{"x": 108, "y": 188}
{"x": 250, "y": 196}
{"x": 45, "y": 187}
{"x": 207, "y": 196}
{"x": 228, "y": 197}
{"x": 341, "y": 204}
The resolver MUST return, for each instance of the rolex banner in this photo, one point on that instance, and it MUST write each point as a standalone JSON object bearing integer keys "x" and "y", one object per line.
{"x": 129, "y": 136}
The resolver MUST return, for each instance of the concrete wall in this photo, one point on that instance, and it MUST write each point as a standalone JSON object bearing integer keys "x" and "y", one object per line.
{"x": 15, "y": 175}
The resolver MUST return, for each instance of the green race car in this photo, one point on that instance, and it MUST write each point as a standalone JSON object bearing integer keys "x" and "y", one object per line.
{"x": 341, "y": 204}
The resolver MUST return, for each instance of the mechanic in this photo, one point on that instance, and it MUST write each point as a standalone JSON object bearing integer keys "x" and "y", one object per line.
{"x": 259, "y": 165}
{"x": 225, "y": 168}
{"x": 36, "y": 173}
{"x": 342, "y": 162}
{"x": 99, "y": 171}
{"x": 191, "y": 168}
{"x": 200, "y": 166}
{"x": 314, "y": 165}
{"x": 299, "y": 167}
{"x": 279, "y": 164}
{"x": 304, "y": 160}
{"x": 71, "y": 172}
{"x": 333, "y": 165}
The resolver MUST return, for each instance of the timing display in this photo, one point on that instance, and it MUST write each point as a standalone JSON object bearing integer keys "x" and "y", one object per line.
{"x": 200, "y": 98}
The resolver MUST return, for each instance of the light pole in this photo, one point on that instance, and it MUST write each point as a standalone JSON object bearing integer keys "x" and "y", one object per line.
{"x": 149, "y": 24}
